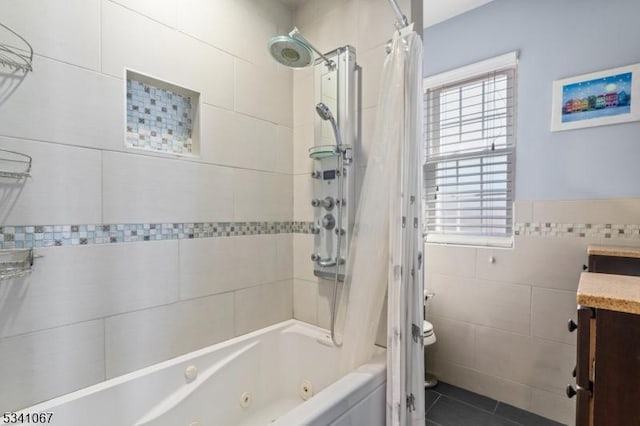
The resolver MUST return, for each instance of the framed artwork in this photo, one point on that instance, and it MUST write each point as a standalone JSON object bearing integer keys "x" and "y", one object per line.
{"x": 596, "y": 99}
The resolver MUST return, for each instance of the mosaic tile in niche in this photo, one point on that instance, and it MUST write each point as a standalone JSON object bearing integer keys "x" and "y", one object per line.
{"x": 160, "y": 116}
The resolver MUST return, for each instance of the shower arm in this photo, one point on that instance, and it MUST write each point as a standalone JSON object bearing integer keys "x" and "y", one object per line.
{"x": 401, "y": 18}
{"x": 295, "y": 33}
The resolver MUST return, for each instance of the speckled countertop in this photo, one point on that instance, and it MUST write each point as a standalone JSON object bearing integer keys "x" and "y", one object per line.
{"x": 607, "y": 291}
{"x": 614, "y": 251}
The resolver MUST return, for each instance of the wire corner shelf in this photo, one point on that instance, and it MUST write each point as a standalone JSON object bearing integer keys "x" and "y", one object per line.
{"x": 15, "y": 263}
{"x": 14, "y": 165}
{"x": 15, "y": 51}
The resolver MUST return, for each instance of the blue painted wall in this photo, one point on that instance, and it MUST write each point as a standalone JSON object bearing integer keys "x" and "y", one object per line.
{"x": 556, "y": 39}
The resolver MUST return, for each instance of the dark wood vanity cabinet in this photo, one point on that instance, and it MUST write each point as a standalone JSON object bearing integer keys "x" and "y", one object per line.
{"x": 608, "y": 368}
{"x": 607, "y": 371}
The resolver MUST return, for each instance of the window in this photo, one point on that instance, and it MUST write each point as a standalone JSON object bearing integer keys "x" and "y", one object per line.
{"x": 470, "y": 150}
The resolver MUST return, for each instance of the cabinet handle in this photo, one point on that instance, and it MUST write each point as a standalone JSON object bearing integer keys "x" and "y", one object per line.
{"x": 575, "y": 371}
{"x": 571, "y": 392}
{"x": 571, "y": 325}
{"x": 585, "y": 267}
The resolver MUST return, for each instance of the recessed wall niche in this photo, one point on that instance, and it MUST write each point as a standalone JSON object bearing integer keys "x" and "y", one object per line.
{"x": 161, "y": 117}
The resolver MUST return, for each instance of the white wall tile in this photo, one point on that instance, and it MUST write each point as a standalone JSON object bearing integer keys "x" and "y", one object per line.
{"x": 133, "y": 41}
{"x": 302, "y": 195}
{"x": 455, "y": 341}
{"x": 276, "y": 12}
{"x": 261, "y": 196}
{"x": 65, "y": 30}
{"x": 302, "y": 141}
{"x": 540, "y": 261}
{"x": 502, "y": 305}
{"x": 230, "y": 25}
{"x": 52, "y": 104}
{"x": 376, "y": 22}
{"x": 550, "y": 311}
{"x": 305, "y": 301}
{"x": 142, "y": 189}
{"x": 263, "y": 93}
{"x": 522, "y": 211}
{"x": 237, "y": 140}
{"x": 372, "y": 62}
{"x": 308, "y": 12}
{"x": 302, "y": 250}
{"x": 165, "y": 11}
{"x": 622, "y": 210}
{"x": 64, "y": 187}
{"x": 263, "y": 305}
{"x": 39, "y": 366}
{"x": 542, "y": 364}
{"x": 71, "y": 284}
{"x": 304, "y": 101}
{"x": 334, "y": 28}
{"x": 450, "y": 260}
{"x": 138, "y": 339}
{"x": 217, "y": 265}
{"x": 363, "y": 148}
{"x": 285, "y": 150}
{"x": 553, "y": 406}
{"x": 503, "y": 390}
{"x": 284, "y": 256}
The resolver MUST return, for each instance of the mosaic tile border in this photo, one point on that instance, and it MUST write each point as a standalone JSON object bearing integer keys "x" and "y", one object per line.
{"x": 12, "y": 237}
{"x": 578, "y": 230}
{"x": 29, "y": 236}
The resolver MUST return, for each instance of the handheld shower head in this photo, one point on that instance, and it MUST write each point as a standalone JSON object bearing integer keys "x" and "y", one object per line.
{"x": 325, "y": 113}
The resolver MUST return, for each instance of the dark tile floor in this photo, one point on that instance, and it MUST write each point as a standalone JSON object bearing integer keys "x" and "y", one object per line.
{"x": 447, "y": 405}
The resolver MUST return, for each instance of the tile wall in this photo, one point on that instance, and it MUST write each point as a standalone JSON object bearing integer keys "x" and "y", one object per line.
{"x": 143, "y": 256}
{"x": 500, "y": 315}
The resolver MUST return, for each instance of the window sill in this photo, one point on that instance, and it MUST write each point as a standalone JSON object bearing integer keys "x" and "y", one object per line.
{"x": 470, "y": 240}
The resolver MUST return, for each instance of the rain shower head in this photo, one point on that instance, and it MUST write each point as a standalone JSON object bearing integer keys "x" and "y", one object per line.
{"x": 290, "y": 51}
{"x": 294, "y": 51}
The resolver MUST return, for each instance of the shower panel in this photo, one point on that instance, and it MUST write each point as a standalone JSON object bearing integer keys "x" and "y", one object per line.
{"x": 334, "y": 166}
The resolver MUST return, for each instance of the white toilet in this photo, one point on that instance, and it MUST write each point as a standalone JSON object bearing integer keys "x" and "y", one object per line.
{"x": 429, "y": 338}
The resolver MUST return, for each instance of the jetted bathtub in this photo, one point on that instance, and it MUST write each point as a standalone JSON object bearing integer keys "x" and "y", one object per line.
{"x": 285, "y": 374}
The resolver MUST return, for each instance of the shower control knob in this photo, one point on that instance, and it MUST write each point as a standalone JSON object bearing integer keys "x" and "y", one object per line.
{"x": 327, "y": 203}
{"x": 315, "y": 202}
{"x": 328, "y": 222}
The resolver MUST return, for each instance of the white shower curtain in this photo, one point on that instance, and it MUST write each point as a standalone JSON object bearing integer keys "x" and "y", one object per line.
{"x": 386, "y": 248}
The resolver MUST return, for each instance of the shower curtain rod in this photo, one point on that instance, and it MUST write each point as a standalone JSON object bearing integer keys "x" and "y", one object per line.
{"x": 401, "y": 18}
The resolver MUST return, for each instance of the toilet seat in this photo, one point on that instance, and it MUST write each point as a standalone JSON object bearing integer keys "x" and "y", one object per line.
{"x": 428, "y": 335}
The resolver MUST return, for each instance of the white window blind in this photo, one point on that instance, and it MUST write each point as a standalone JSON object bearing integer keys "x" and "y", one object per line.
{"x": 469, "y": 166}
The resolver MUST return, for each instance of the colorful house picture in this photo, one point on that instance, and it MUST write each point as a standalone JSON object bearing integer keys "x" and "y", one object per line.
{"x": 596, "y": 99}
